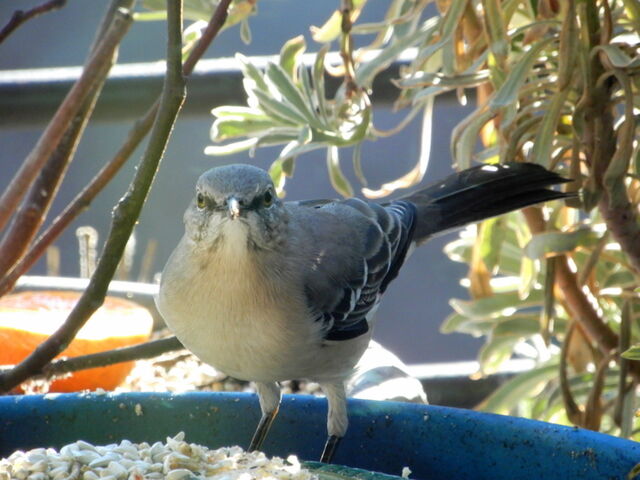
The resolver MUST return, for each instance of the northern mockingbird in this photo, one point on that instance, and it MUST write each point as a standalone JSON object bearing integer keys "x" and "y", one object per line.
{"x": 266, "y": 290}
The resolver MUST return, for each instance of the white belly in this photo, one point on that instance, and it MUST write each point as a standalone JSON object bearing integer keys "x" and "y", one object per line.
{"x": 233, "y": 320}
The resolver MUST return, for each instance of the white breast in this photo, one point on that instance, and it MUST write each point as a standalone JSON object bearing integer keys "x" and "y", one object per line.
{"x": 228, "y": 313}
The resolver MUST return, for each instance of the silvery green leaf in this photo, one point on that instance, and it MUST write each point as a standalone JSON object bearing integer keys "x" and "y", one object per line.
{"x": 243, "y": 112}
{"x": 633, "y": 353}
{"x": 279, "y": 170}
{"x": 251, "y": 71}
{"x": 464, "y": 137}
{"x": 276, "y": 136}
{"x": 281, "y": 111}
{"x": 496, "y": 351}
{"x": 290, "y": 55}
{"x": 547, "y": 244}
{"x": 508, "y": 92}
{"x": 293, "y": 149}
{"x": 368, "y": 70}
{"x": 544, "y": 141}
{"x": 521, "y": 386}
{"x": 618, "y": 57}
{"x": 233, "y": 127}
{"x": 357, "y": 164}
{"x": 230, "y": 148}
{"x": 521, "y": 325}
{"x": 491, "y": 236}
{"x": 245, "y": 32}
{"x": 291, "y": 93}
{"x": 318, "y": 82}
{"x": 496, "y": 304}
{"x": 338, "y": 180}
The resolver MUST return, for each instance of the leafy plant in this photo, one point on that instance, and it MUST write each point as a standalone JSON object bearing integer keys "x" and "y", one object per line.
{"x": 555, "y": 83}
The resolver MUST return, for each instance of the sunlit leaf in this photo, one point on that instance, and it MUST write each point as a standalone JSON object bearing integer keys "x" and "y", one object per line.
{"x": 508, "y": 92}
{"x": 618, "y": 58}
{"x": 554, "y": 243}
{"x": 290, "y": 55}
{"x": 544, "y": 141}
{"x": 291, "y": 93}
{"x": 633, "y": 353}
{"x": 495, "y": 305}
{"x": 520, "y": 325}
{"x": 496, "y": 351}
{"x": 332, "y": 28}
{"x": 251, "y": 71}
{"x": 282, "y": 111}
{"x": 233, "y": 127}
{"x": 524, "y": 385}
{"x": 367, "y": 71}
{"x": 245, "y": 31}
{"x": 231, "y": 148}
{"x": 338, "y": 180}
{"x": 464, "y": 137}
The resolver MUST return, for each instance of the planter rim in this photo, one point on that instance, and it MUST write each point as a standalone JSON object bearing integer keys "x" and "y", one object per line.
{"x": 434, "y": 442}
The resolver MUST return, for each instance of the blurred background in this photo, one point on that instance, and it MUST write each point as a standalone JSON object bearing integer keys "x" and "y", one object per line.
{"x": 416, "y": 302}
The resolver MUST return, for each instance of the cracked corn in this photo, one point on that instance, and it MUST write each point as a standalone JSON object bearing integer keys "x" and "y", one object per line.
{"x": 173, "y": 460}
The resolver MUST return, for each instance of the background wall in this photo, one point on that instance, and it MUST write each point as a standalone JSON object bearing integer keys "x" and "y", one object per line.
{"x": 415, "y": 304}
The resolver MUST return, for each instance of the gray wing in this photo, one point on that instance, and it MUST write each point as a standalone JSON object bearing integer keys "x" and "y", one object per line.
{"x": 369, "y": 244}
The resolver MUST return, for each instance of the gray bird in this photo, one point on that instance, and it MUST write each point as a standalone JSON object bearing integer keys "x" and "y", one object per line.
{"x": 265, "y": 290}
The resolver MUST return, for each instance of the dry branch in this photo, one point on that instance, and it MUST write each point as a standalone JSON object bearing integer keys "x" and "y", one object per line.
{"x": 59, "y": 124}
{"x": 125, "y": 214}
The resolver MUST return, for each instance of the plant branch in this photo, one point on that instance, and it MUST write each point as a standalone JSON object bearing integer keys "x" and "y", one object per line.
{"x": 580, "y": 307}
{"x": 20, "y": 16}
{"x": 141, "y": 351}
{"x": 135, "y": 136}
{"x": 216, "y": 22}
{"x": 34, "y": 208}
{"x": 59, "y": 124}
{"x": 618, "y": 212}
{"x": 125, "y": 214}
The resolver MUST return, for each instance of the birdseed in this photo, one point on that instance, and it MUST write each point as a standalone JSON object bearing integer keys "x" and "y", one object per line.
{"x": 173, "y": 460}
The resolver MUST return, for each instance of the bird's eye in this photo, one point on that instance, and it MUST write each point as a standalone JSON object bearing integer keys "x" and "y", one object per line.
{"x": 200, "y": 201}
{"x": 268, "y": 198}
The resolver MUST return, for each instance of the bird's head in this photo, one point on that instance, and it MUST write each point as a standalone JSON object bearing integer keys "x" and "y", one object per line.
{"x": 237, "y": 204}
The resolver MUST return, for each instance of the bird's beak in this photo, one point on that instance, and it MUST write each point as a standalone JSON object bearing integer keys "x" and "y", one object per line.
{"x": 234, "y": 207}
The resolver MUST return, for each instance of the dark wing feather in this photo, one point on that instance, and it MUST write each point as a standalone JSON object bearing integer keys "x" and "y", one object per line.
{"x": 384, "y": 237}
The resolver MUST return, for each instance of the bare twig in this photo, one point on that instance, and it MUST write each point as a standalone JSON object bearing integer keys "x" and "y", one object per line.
{"x": 125, "y": 214}
{"x": 20, "y": 16}
{"x": 141, "y": 351}
{"x": 135, "y": 136}
{"x": 618, "y": 212}
{"x": 34, "y": 208}
{"x": 59, "y": 124}
{"x": 216, "y": 23}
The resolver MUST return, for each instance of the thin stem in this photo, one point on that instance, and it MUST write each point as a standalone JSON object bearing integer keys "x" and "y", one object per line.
{"x": 134, "y": 138}
{"x": 59, "y": 124}
{"x": 125, "y": 214}
{"x": 141, "y": 351}
{"x": 580, "y": 307}
{"x": 216, "y": 22}
{"x": 34, "y": 208}
{"x": 20, "y": 16}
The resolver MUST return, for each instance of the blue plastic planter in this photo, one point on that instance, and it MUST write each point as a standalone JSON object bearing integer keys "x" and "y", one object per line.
{"x": 437, "y": 443}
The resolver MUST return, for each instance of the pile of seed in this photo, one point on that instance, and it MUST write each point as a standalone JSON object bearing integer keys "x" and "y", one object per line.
{"x": 173, "y": 460}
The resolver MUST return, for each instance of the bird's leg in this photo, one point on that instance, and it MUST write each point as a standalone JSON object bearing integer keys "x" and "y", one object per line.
{"x": 337, "y": 421}
{"x": 269, "y": 396}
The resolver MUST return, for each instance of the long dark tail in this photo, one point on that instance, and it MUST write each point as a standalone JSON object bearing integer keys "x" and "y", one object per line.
{"x": 479, "y": 193}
